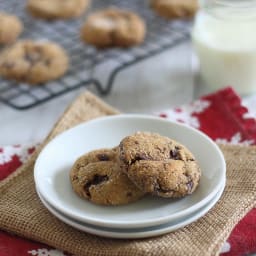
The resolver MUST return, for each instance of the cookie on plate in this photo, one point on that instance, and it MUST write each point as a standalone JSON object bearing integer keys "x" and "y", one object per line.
{"x": 159, "y": 165}
{"x": 10, "y": 28}
{"x": 96, "y": 176}
{"x": 113, "y": 27}
{"x": 57, "y": 9}
{"x": 172, "y": 9}
{"x": 33, "y": 62}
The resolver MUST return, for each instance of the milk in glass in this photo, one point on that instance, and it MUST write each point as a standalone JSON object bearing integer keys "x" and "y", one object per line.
{"x": 224, "y": 38}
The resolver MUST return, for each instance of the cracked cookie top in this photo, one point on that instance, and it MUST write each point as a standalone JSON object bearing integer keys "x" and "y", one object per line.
{"x": 33, "y": 62}
{"x": 113, "y": 27}
{"x": 159, "y": 165}
{"x": 96, "y": 176}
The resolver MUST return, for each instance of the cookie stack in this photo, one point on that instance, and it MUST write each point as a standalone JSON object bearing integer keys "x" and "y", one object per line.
{"x": 143, "y": 163}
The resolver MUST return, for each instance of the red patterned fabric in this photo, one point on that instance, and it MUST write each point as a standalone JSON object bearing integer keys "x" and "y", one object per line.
{"x": 220, "y": 115}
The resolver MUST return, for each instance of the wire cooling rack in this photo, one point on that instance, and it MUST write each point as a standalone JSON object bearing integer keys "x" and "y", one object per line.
{"x": 85, "y": 59}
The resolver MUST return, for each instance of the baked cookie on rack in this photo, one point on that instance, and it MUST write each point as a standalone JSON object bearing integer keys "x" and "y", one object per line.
{"x": 33, "y": 62}
{"x": 10, "y": 28}
{"x": 172, "y": 9}
{"x": 57, "y": 9}
{"x": 159, "y": 165}
{"x": 96, "y": 176}
{"x": 113, "y": 27}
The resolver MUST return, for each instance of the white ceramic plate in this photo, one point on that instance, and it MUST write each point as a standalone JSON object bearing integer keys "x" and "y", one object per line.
{"x": 55, "y": 161}
{"x": 136, "y": 232}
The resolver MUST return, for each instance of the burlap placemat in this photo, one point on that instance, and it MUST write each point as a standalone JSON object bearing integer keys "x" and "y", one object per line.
{"x": 22, "y": 213}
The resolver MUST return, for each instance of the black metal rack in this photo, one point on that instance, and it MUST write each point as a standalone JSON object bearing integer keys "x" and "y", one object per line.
{"x": 85, "y": 59}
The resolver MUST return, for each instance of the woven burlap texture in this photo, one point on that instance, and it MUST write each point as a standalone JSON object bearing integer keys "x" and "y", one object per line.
{"x": 22, "y": 213}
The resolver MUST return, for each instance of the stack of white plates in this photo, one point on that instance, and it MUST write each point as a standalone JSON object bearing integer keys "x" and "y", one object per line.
{"x": 150, "y": 216}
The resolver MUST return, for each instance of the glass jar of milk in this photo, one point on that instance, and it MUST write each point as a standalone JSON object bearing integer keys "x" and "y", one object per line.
{"x": 224, "y": 37}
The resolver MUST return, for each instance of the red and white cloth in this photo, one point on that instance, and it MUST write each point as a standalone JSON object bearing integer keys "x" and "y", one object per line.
{"x": 220, "y": 115}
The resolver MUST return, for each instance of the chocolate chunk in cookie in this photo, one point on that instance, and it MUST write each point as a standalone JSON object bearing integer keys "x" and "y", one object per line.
{"x": 33, "y": 62}
{"x": 113, "y": 27}
{"x": 159, "y": 165}
{"x": 96, "y": 176}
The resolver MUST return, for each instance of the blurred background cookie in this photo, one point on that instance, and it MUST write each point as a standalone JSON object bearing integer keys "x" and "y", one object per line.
{"x": 113, "y": 27}
{"x": 10, "y": 28}
{"x": 33, "y": 62}
{"x": 96, "y": 176}
{"x": 172, "y": 9}
{"x": 57, "y": 9}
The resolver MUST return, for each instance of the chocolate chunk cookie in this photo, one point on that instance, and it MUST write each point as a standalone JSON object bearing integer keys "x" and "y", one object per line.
{"x": 33, "y": 62}
{"x": 97, "y": 177}
{"x": 159, "y": 165}
{"x": 113, "y": 27}
{"x": 10, "y": 28}
{"x": 172, "y": 9}
{"x": 57, "y": 9}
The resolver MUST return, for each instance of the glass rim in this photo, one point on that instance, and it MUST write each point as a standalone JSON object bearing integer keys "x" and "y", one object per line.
{"x": 228, "y": 3}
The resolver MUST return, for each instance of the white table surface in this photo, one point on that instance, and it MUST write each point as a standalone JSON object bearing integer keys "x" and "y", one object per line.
{"x": 158, "y": 83}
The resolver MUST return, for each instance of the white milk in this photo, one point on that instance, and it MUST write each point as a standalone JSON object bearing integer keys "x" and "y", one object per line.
{"x": 226, "y": 48}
